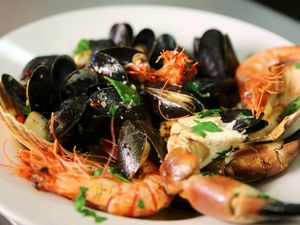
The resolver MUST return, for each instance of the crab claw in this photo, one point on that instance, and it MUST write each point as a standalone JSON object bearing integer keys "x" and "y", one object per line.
{"x": 228, "y": 199}
{"x": 257, "y": 161}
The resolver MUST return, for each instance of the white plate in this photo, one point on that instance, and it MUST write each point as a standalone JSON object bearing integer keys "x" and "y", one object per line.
{"x": 59, "y": 34}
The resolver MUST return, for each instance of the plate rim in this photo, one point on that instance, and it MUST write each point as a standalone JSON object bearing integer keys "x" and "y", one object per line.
{"x": 20, "y": 29}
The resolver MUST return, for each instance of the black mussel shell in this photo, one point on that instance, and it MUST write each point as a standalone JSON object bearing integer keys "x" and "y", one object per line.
{"x": 104, "y": 101}
{"x": 61, "y": 68}
{"x": 33, "y": 64}
{"x": 41, "y": 92}
{"x": 154, "y": 138}
{"x": 174, "y": 102}
{"x": 78, "y": 82}
{"x": 14, "y": 89}
{"x": 215, "y": 55}
{"x": 144, "y": 41}
{"x": 121, "y": 34}
{"x": 223, "y": 92}
{"x": 124, "y": 55}
{"x": 98, "y": 45}
{"x": 245, "y": 121}
{"x": 133, "y": 148}
{"x": 163, "y": 42}
{"x": 67, "y": 117}
{"x": 106, "y": 65}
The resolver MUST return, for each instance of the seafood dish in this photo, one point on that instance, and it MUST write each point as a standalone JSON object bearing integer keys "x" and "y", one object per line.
{"x": 133, "y": 123}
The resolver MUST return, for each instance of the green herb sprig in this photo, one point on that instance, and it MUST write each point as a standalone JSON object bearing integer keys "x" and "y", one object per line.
{"x": 126, "y": 92}
{"x": 202, "y": 128}
{"x": 80, "y": 206}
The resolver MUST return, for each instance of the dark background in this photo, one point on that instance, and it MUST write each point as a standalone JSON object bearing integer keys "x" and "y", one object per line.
{"x": 290, "y": 8}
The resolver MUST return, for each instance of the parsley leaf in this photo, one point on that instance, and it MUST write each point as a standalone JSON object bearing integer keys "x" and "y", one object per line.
{"x": 207, "y": 173}
{"x": 98, "y": 172}
{"x": 242, "y": 116}
{"x": 224, "y": 153}
{"x": 195, "y": 86}
{"x": 126, "y": 92}
{"x": 298, "y": 66}
{"x": 112, "y": 110}
{"x": 26, "y": 110}
{"x": 291, "y": 108}
{"x": 202, "y": 128}
{"x": 80, "y": 199}
{"x": 208, "y": 112}
{"x": 114, "y": 171}
{"x": 82, "y": 46}
{"x": 140, "y": 204}
{"x": 80, "y": 203}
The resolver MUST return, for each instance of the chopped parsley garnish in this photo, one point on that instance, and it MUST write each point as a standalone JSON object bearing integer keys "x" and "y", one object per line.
{"x": 224, "y": 153}
{"x": 202, "y": 128}
{"x": 97, "y": 172}
{"x": 207, "y": 173}
{"x": 195, "y": 86}
{"x": 298, "y": 66}
{"x": 291, "y": 108}
{"x": 140, "y": 204}
{"x": 26, "y": 110}
{"x": 208, "y": 112}
{"x": 267, "y": 197}
{"x": 242, "y": 116}
{"x": 126, "y": 92}
{"x": 112, "y": 110}
{"x": 189, "y": 64}
{"x": 82, "y": 46}
{"x": 114, "y": 171}
{"x": 80, "y": 206}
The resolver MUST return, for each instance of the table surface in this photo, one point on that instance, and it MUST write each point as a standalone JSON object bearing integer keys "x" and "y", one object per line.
{"x": 15, "y": 13}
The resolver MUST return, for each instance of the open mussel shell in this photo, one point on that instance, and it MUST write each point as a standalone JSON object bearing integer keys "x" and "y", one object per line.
{"x": 106, "y": 65}
{"x": 215, "y": 54}
{"x": 124, "y": 55}
{"x": 41, "y": 92}
{"x": 163, "y": 42}
{"x": 103, "y": 101}
{"x": 98, "y": 45}
{"x": 223, "y": 92}
{"x": 62, "y": 66}
{"x": 33, "y": 64}
{"x": 243, "y": 119}
{"x": 121, "y": 34}
{"x": 78, "y": 82}
{"x": 144, "y": 41}
{"x": 14, "y": 89}
{"x": 134, "y": 146}
{"x": 67, "y": 117}
{"x": 173, "y": 103}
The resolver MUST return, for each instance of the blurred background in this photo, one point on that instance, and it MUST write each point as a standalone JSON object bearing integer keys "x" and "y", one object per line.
{"x": 279, "y": 16}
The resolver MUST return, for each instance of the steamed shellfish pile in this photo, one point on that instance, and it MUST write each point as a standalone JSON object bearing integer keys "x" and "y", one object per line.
{"x": 133, "y": 120}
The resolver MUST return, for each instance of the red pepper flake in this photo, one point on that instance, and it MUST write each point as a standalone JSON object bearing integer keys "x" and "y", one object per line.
{"x": 95, "y": 102}
{"x": 21, "y": 118}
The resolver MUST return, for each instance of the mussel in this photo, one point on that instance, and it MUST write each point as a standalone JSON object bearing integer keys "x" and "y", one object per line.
{"x": 163, "y": 42}
{"x": 173, "y": 102}
{"x": 215, "y": 92}
{"x": 14, "y": 89}
{"x": 215, "y": 54}
{"x": 106, "y": 65}
{"x": 243, "y": 120}
{"x": 134, "y": 146}
{"x": 121, "y": 34}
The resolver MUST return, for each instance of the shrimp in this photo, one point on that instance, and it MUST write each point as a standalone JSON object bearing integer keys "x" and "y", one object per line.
{"x": 268, "y": 73}
{"x": 177, "y": 68}
{"x": 66, "y": 174}
{"x": 52, "y": 169}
